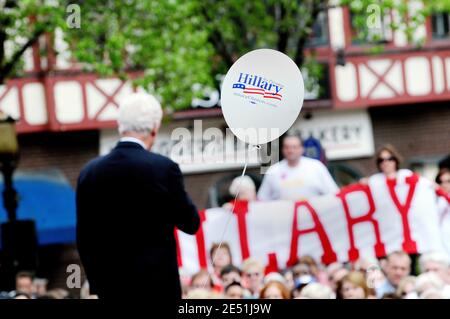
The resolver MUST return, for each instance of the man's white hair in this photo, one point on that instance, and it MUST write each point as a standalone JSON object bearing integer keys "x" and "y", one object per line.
{"x": 140, "y": 113}
{"x": 243, "y": 183}
{"x": 427, "y": 281}
{"x": 434, "y": 256}
{"x": 274, "y": 276}
{"x": 317, "y": 291}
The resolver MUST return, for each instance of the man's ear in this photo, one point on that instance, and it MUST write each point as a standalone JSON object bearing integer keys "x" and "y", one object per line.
{"x": 153, "y": 132}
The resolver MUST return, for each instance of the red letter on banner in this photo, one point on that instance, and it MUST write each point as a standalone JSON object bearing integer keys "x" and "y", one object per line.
{"x": 442, "y": 193}
{"x": 329, "y": 255}
{"x": 353, "y": 253}
{"x": 409, "y": 245}
{"x": 179, "y": 259}
{"x": 200, "y": 239}
{"x": 272, "y": 266}
{"x": 241, "y": 209}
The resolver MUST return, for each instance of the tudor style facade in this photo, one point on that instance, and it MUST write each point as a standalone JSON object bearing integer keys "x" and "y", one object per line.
{"x": 403, "y": 91}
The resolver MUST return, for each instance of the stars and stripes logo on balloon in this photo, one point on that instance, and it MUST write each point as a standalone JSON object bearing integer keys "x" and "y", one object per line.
{"x": 264, "y": 93}
{"x": 261, "y": 96}
{"x": 253, "y": 84}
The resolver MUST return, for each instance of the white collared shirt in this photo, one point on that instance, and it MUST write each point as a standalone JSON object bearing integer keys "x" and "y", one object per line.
{"x": 133, "y": 140}
{"x": 308, "y": 179}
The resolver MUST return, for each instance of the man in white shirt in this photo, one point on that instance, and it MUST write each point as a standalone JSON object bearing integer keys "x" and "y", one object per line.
{"x": 296, "y": 177}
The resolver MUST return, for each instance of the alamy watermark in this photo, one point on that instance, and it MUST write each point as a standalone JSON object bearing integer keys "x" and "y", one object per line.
{"x": 217, "y": 146}
{"x": 73, "y": 19}
{"x": 73, "y": 279}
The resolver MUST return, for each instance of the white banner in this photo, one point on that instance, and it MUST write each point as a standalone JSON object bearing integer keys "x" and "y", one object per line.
{"x": 361, "y": 220}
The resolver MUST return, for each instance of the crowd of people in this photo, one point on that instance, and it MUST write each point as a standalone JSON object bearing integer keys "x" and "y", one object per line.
{"x": 296, "y": 177}
{"x": 28, "y": 286}
{"x": 395, "y": 277}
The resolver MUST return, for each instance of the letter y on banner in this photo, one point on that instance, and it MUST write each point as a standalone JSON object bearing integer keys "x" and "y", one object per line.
{"x": 409, "y": 245}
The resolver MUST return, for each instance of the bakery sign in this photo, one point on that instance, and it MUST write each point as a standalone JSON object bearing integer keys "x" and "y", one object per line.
{"x": 343, "y": 134}
{"x": 204, "y": 145}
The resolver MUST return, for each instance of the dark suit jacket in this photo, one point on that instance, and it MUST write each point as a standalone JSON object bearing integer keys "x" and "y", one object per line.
{"x": 128, "y": 204}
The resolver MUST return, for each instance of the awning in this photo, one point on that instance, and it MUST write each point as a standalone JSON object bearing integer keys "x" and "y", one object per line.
{"x": 47, "y": 198}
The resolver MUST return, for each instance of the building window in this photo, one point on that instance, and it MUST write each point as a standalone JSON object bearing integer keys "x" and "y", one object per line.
{"x": 375, "y": 35}
{"x": 440, "y": 25}
{"x": 317, "y": 88}
{"x": 319, "y": 34}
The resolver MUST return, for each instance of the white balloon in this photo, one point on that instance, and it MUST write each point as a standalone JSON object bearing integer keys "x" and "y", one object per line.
{"x": 262, "y": 95}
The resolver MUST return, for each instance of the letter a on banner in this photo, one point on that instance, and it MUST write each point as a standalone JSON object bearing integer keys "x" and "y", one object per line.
{"x": 329, "y": 255}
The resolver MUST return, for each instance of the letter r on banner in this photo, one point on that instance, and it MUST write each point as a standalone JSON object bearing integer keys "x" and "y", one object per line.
{"x": 353, "y": 253}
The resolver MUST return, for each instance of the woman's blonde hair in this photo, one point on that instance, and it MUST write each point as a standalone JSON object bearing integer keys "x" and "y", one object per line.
{"x": 357, "y": 278}
{"x": 403, "y": 283}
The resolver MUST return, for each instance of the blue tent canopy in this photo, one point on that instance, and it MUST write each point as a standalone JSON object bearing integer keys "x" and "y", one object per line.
{"x": 47, "y": 198}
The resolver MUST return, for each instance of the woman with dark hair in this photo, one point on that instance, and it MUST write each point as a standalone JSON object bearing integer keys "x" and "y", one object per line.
{"x": 388, "y": 161}
{"x": 443, "y": 179}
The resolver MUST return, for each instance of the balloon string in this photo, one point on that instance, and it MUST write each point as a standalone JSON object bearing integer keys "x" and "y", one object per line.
{"x": 257, "y": 147}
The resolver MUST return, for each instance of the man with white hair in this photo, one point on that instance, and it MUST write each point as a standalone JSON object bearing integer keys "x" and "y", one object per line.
{"x": 128, "y": 205}
{"x": 436, "y": 262}
{"x": 316, "y": 291}
{"x": 243, "y": 187}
